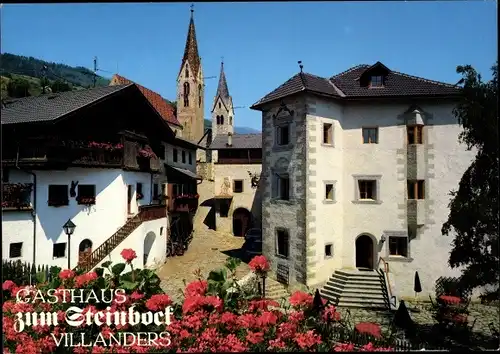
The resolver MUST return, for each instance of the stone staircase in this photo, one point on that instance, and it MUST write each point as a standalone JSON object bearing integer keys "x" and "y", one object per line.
{"x": 357, "y": 288}
{"x": 275, "y": 290}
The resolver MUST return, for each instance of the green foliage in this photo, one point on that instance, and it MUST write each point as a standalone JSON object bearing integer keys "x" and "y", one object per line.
{"x": 60, "y": 86}
{"x": 17, "y": 88}
{"x": 474, "y": 211}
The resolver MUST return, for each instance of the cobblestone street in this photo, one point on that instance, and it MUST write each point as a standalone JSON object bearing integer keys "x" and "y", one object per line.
{"x": 205, "y": 253}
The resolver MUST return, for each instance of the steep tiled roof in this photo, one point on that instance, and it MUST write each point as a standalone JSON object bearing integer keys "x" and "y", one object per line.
{"x": 191, "y": 49}
{"x": 49, "y": 107}
{"x": 240, "y": 141}
{"x": 166, "y": 110}
{"x": 301, "y": 82}
{"x": 348, "y": 85}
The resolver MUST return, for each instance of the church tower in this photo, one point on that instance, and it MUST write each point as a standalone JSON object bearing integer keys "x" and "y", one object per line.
{"x": 222, "y": 109}
{"x": 190, "y": 89}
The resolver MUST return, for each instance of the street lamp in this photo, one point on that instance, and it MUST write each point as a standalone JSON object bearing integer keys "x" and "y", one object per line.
{"x": 69, "y": 228}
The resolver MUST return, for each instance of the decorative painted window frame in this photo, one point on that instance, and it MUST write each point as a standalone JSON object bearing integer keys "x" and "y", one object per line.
{"x": 276, "y": 248}
{"x": 375, "y": 178}
{"x": 403, "y": 234}
{"x": 330, "y": 201}
{"x": 283, "y": 117}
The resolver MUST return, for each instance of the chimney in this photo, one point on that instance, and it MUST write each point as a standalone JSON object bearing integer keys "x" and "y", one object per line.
{"x": 229, "y": 139}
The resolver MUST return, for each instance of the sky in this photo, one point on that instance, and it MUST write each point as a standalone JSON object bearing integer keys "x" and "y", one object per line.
{"x": 260, "y": 42}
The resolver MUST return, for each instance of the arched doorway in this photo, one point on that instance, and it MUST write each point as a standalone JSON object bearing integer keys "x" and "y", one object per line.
{"x": 84, "y": 250}
{"x": 241, "y": 221}
{"x": 364, "y": 252}
{"x": 149, "y": 241}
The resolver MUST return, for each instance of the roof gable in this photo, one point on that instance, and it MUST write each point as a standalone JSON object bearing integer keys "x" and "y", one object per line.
{"x": 239, "y": 141}
{"x": 156, "y": 100}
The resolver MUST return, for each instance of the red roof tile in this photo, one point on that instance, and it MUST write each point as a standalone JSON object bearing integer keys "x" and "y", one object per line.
{"x": 166, "y": 110}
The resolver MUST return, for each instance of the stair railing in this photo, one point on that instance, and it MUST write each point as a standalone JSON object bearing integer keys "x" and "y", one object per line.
{"x": 385, "y": 271}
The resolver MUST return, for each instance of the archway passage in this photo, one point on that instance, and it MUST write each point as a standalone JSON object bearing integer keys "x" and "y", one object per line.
{"x": 149, "y": 241}
{"x": 84, "y": 250}
{"x": 364, "y": 252}
{"x": 241, "y": 221}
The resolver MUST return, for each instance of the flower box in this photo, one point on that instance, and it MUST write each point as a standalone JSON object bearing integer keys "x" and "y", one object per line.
{"x": 58, "y": 203}
{"x": 85, "y": 200}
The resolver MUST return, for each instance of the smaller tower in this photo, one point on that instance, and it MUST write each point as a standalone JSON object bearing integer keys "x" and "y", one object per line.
{"x": 222, "y": 109}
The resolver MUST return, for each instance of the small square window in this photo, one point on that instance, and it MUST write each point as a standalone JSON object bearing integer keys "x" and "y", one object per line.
{"x": 328, "y": 250}
{"x": 174, "y": 156}
{"x": 238, "y": 186}
{"x": 283, "y": 186}
{"x": 58, "y": 195}
{"x": 414, "y": 134}
{"x": 183, "y": 156}
{"x": 15, "y": 250}
{"x": 282, "y": 240}
{"x": 398, "y": 246}
{"x": 190, "y": 158}
{"x": 367, "y": 189}
{"x": 370, "y": 135}
{"x": 327, "y": 133}
{"x": 59, "y": 250}
{"x": 283, "y": 135}
{"x": 329, "y": 191}
{"x": 416, "y": 189}
{"x": 86, "y": 194}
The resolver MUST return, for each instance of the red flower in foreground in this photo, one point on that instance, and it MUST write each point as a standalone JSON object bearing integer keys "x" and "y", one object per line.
{"x": 449, "y": 299}
{"x": 197, "y": 287}
{"x": 459, "y": 318}
{"x": 300, "y": 298}
{"x": 128, "y": 255}
{"x": 8, "y": 285}
{"x": 370, "y": 328}
{"x": 66, "y": 274}
{"x": 259, "y": 264}
{"x": 158, "y": 302}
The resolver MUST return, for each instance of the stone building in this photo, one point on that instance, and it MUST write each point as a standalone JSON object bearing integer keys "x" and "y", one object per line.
{"x": 357, "y": 170}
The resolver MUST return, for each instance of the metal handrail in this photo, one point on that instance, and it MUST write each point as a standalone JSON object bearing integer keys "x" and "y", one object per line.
{"x": 386, "y": 271}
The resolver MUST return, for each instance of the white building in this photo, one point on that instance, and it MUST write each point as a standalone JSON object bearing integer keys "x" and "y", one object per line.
{"x": 88, "y": 158}
{"x": 356, "y": 173}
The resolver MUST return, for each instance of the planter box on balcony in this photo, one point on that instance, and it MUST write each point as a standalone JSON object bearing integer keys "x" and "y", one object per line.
{"x": 57, "y": 203}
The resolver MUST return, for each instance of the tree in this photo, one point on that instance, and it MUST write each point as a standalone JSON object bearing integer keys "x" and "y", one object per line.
{"x": 473, "y": 214}
{"x": 60, "y": 86}
{"x": 17, "y": 88}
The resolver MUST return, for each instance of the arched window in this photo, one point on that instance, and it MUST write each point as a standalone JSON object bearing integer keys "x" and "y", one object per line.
{"x": 219, "y": 105}
{"x": 199, "y": 95}
{"x": 221, "y": 119}
{"x": 230, "y": 120}
{"x": 218, "y": 120}
{"x": 186, "y": 94}
{"x": 187, "y": 72}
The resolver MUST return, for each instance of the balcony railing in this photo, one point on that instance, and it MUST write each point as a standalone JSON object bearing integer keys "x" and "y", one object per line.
{"x": 17, "y": 196}
{"x": 183, "y": 202}
{"x": 152, "y": 212}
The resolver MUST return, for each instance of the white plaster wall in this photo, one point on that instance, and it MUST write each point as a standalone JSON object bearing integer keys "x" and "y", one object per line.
{"x": 249, "y": 199}
{"x": 329, "y": 165}
{"x": 135, "y": 241}
{"x": 97, "y": 222}
{"x": 170, "y": 157}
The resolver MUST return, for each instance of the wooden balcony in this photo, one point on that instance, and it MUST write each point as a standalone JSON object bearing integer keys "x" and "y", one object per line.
{"x": 152, "y": 212}
{"x": 183, "y": 203}
{"x": 17, "y": 196}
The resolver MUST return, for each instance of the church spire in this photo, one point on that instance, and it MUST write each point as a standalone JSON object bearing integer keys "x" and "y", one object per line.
{"x": 191, "y": 55}
{"x": 222, "y": 89}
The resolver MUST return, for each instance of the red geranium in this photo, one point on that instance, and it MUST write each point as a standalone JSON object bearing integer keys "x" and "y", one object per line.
{"x": 8, "y": 285}
{"x": 301, "y": 299}
{"x": 449, "y": 299}
{"x": 128, "y": 255}
{"x": 259, "y": 264}
{"x": 370, "y": 328}
{"x": 66, "y": 274}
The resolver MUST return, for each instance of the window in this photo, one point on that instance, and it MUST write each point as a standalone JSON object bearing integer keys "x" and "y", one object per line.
{"x": 282, "y": 240}
{"x": 186, "y": 94}
{"x": 370, "y": 135}
{"x": 190, "y": 158}
{"x": 398, "y": 246}
{"x": 59, "y": 250}
{"x": 377, "y": 81}
{"x": 183, "y": 156}
{"x": 367, "y": 189}
{"x": 328, "y": 250}
{"x": 283, "y": 135}
{"x": 174, "y": 155}
{"x": 282, "y": 186}
{"x": 5, "y": 175}
{"x": 156, "y": 191}
{"x": 187, "y": 72}
{"x": 329, "y": 191}
{"x": 416, "y": 189}
{"x": 58, "y": 195}
{"x": 200, "y": 95}
{"x": 138, "y": 191}
{"x": 224, "y": 209}
{"x": 219, "y": 105}
{"x": 86, "y": 194}
{"x": 15, "y": 250}
{"x": 238, "y": 186}
{"x": 327, "y": 133}
{"x": 414, "y": 134}
{"x": 230, "y": 120}
{"x": 221, "y": 120}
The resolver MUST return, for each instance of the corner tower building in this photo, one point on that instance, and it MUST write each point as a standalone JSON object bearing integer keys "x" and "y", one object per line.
{"x": 190, "y": 89}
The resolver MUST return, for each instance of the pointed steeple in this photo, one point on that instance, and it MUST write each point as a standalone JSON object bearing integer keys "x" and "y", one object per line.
{"x": 191, "y": 49}
{"x": 222, "y": 89}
